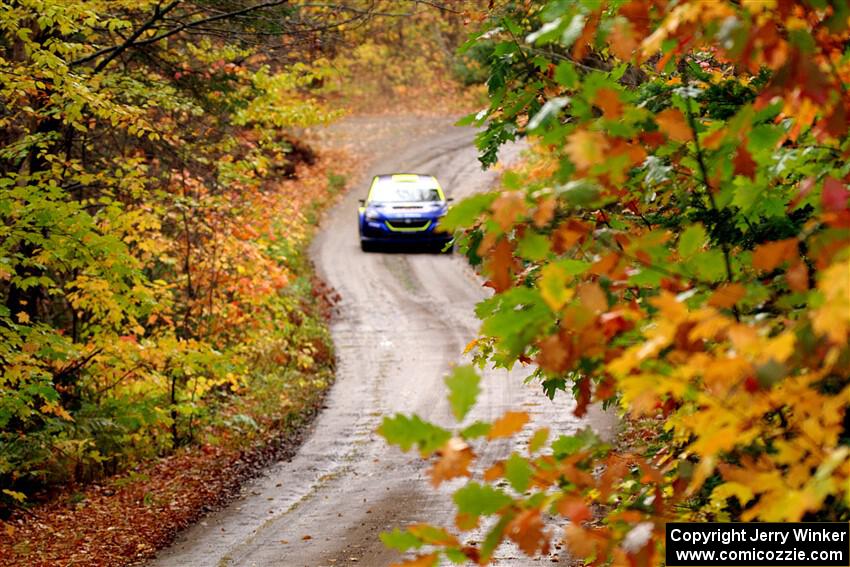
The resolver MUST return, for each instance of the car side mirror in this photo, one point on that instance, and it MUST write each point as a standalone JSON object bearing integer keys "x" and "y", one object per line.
{"x": 362, "y": 202}
{"x": 450, "y": 199}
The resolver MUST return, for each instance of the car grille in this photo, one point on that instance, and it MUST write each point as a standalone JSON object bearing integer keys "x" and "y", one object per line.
{"x": 408, "y": 224}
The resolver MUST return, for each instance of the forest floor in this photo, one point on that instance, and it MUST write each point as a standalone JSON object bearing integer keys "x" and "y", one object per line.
{"x": 125, "y": 518}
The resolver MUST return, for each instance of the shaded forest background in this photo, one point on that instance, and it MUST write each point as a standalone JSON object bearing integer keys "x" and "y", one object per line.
{"x": 156, "y": 198}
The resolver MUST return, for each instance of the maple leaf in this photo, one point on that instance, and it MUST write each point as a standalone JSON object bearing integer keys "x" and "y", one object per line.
{"x": 592, "y": 297}
{"x": 673, "y": 123}
{"x": 586, "y": 148}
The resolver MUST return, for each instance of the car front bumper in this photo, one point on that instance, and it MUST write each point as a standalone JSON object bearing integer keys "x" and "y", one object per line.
{"x": 421, "y": 230}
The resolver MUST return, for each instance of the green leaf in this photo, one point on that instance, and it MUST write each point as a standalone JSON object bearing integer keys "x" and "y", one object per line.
{"x": 538, "y": 440}
{"x": 463, "y": 390}
{"x": 480, "y": 500}
{"x": 407, "y": 431}
{"x": 534, "y": 246}
{"x": 15, "y": 495}
{"x": 710, "y": 265}
{"x": 518, "y": 472}
{"x": 692, "y": 239}
{"x": 477, "y": 429}
{"x": 456, "y": 556}
{"x": 467, "y": 211}
{"x": 566, "y": 445}
{"x": 400, "y": 540}
{"x": 494, "y": 537}
{"x": 566, "y": 75}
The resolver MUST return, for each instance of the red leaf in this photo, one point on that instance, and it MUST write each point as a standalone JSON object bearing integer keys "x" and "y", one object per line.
{"x": 744, "y": 164}
{"x": 834, "y": 196}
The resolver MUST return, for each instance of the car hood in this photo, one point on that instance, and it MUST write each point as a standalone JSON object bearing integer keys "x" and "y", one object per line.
{"x": 413, "y": 208}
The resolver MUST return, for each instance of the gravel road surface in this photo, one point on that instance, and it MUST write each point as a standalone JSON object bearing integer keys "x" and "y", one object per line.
{"x": 404, "y": 319}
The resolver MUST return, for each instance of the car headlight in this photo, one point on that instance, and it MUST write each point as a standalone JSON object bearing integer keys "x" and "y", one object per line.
{"x": 372, "y": 216}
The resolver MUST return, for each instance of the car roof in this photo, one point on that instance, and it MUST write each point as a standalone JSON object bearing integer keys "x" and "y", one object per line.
{"x": 404, "y": 177}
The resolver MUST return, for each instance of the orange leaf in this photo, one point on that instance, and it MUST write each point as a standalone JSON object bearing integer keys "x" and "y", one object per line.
{"x": 583, "y": 398}
{"x": 466, "y": 522}
{"x": 586, "y": 148}
{"x": 507, "y": 208}
{"x": 495, "y": 471}
{"x": 623, "y": 42}
{"x": 798, "y": 277}
{"x": 581, "y": 542}
{"x": 768, "y": 256}
{"x": 574, "y": 508}
{"x": 545, "y": 211}
{"x": 508, "y": 424}
{"x": 453, "y": 461}
{"x": 419, "y": 561}
{"x": 526, "y": 530}
{"x": 500, "y": 264}
{"x": 609, "y": 101}
{"x": 727, "y": 295}
{"x": 713, "y": 140}
{"x": 672, "y": 122}
{"x": 592, "y": 297}
{"x": 554, "y": 354}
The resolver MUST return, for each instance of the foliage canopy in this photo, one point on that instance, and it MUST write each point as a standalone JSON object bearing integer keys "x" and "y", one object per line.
{"x": 677, "y": 243}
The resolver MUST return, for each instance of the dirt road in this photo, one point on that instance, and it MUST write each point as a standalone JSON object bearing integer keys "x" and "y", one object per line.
{"x": 404, "y": 319}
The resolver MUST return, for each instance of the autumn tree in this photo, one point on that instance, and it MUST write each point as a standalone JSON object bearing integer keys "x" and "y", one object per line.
{"x": 677, "y": 244}
{"x": 150, "y": 258}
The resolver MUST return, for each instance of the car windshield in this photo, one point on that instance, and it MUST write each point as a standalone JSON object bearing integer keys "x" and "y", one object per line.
{"x": 404, "y": 192}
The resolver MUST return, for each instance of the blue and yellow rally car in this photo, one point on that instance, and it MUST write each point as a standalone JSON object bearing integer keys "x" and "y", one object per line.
{"x": 403, "y": 209}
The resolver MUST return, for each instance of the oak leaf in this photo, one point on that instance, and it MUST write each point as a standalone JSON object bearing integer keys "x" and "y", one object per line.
{"x": 453, "y": 461}
{"x": 727, "y": 295}
{"x": 608, "y": 100}
{"x": 526, "y": 530}
{"x": 508, "y": 424}
{"x": 767, "y": 257}
{"x": 673, "y": 123}
{"x": 744, "y": 163}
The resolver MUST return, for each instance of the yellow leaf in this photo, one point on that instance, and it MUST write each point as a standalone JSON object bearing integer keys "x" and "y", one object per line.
{"x": 729, "y": 489}
{"x": 553, "y": 286}
{"x": 586, "y": 148}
